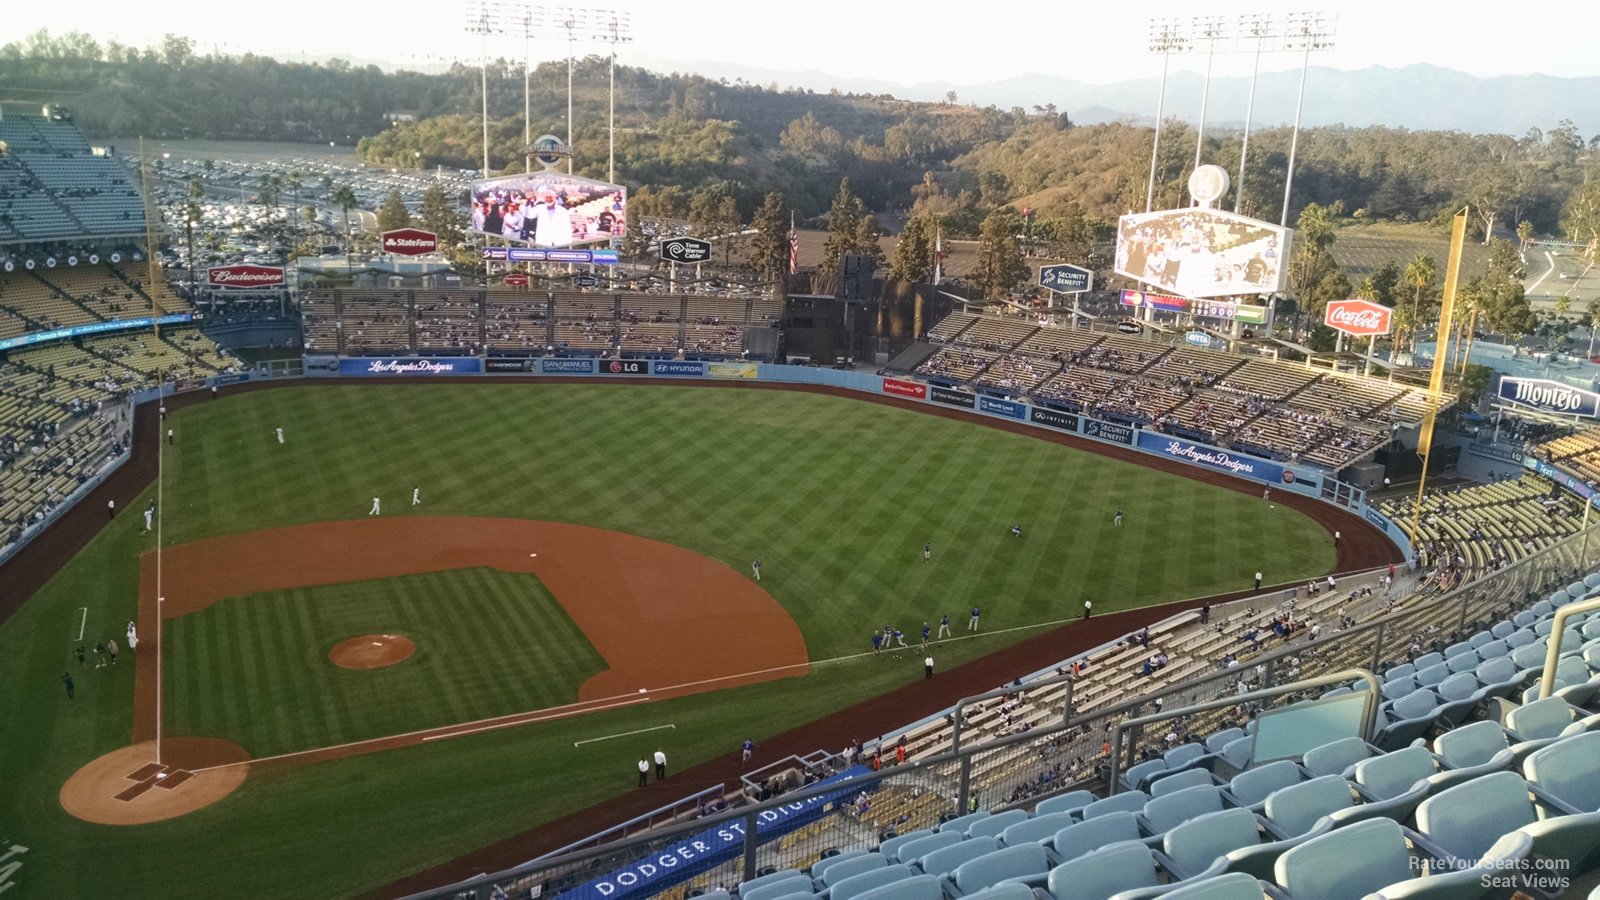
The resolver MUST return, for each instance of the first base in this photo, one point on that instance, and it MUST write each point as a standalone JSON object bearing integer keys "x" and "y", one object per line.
{"x": 641, "y": 690}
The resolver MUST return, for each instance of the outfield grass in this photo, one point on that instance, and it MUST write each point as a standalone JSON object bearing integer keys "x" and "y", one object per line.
{"x": 835, "y": 496}
{"x": 488, "y": 643}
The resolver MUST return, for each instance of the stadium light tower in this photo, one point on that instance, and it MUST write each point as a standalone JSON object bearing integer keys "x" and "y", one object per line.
{"x": 1306, "y": 32}
{"x": 1167, "y": 36}
{"x": 1210, "y": 29}
{"x": 1257, "y": 28}
{"x": 482, "y": 21}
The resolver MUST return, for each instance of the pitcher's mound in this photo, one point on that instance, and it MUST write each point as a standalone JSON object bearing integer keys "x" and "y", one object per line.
{"x": 128, "y": 786}
{"x": 372, "y": 651}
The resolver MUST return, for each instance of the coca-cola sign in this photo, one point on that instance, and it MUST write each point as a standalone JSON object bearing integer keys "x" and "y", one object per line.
{"x": 1361, "y": 318}
{"x": 244, "y": 276}
{"x": 410, "y": 241}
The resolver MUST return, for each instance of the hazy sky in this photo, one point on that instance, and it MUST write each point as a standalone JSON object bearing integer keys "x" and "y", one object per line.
{"x": 895, "y": 42}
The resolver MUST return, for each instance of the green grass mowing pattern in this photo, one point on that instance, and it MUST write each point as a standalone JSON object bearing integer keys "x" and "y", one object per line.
{"x": 835, "y": 495}
{"x": 488, "y": 643}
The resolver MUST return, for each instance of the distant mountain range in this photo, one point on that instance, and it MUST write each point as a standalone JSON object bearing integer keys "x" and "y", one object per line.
{"x": 1419, "y": 97}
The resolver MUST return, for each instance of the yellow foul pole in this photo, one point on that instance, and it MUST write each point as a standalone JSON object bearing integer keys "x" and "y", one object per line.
{"x": 1447, "y": 309}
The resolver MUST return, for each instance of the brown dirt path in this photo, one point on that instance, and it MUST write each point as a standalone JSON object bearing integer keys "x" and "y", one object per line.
{"x": 128, "y": 787}
{"x": 372, "y": 651}
{"x": 639, "y": 601}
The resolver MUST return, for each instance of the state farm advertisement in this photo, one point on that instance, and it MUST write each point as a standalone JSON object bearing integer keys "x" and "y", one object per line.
{"x": 410, "y": 241}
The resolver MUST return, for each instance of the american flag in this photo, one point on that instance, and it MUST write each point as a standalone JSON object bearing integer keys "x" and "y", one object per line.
{"x": 794, "y": 247}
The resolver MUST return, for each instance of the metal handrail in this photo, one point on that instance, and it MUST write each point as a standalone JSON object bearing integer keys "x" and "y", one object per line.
{"x": 1552, "y": 656}
{"x": 1369, "y": 716}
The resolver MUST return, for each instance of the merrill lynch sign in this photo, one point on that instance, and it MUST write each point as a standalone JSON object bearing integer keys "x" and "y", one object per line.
{"x": 1550, "y": 396}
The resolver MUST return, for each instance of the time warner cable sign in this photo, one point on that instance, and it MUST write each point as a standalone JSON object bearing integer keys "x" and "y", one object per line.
{"x": 1550, "y": 396}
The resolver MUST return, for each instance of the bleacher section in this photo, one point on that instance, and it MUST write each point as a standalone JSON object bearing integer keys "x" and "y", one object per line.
{"x": 62, "y": 418}
{"x": 1484, "y": 527}
{"x": 357, "y": 322}
{"x": 53, "y": 186}
{"x": 1276, "y": 410}
{"x": 1578, "y": 453}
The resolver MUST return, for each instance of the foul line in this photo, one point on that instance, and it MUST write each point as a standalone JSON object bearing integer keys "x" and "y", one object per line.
{"x": 82, "y": 622}
{"x": 624, "y": 734}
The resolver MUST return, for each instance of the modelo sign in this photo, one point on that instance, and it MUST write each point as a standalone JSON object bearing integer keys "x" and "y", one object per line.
{"x": 244, "y": 276}
{"x": 1361, "y": 318}
{"x": 1550, "y": 396}
{"x": 410, "y": 242}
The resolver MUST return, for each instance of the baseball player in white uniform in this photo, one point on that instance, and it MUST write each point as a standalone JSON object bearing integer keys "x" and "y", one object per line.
{"x": 377, "y": 507}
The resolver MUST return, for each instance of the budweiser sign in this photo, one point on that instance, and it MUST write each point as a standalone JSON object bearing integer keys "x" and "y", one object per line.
{"x": 410, "y": 241}
{"x": 1361, "y": 318}
{"x": 244, "y": 276}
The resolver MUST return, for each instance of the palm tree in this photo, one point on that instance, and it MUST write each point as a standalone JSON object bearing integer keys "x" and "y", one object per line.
{"x": 344, "y": 198}
{"x": 1420, "y": 273}
{"x": 293, "y": 180}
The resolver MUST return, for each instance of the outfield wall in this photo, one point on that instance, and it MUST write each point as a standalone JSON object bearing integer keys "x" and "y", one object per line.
{"x": 1306, "y": 480}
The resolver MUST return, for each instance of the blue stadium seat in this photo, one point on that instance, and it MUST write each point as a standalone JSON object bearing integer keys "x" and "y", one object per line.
{"x": 1177, "y": 781}
{"x": 1395, "y": 688}
{"x": 1335, "y": 757}
{"x": 1169, "y": 811}
{"x": 1569, "y": 771}
{"x": 1183, "y": 755}
{"x": 845, "y": 868}
{"x": 1292, "y": 811}
{"x": 1103, "y": 872}
{"x": 1127, "y": 801}
{"x": 1432, "y": 675}
{"x": 1571, "y": 839}
{"x": 1457, "y": 649}
{"x": 993, "y": 825}
{"x": 1071, "y": 800}
{"x": 866, "y": 882}
{"x": 1464, "y": 883}
{"x": 1463, "y": 822}
{"x": 1004, "y": 891}
{"x": 992, "y": 868}
{"x": 1251, "y": 787}
{"x": 821, "y": 866}
{"x": 1540, "y": 719}
{"x": 1080, "y": 838}
{"x": 778, "y": 884}
{"x": 890, "y": 846}
{"x": 1233, "y": 886}
{"x": 911, "y": 851}
{"x": 1231, "y": 840}
{"x": 1393, "y": 774}
{"x": 962, "y": 823}
{"x": 1321, "y": 869}
{"x": 1138, "y": 773}
{"x": 1466, "y": 662}
{"x": 945, "y": 860}
{"x": 1493, "y": 649}
{"x": 1499, "y": 676}
{"x": 916, "y": 887}
{"x": 1036, "y": 830}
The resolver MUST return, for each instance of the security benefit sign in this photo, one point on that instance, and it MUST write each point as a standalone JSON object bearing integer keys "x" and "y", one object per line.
{"x": 1549, "y": 396}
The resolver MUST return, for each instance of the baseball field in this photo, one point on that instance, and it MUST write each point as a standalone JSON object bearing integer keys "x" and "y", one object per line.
{"x": 578, "y": 567}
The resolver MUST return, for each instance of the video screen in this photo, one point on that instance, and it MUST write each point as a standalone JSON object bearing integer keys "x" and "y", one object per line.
{"x": 1203, "y": 252}
{"x": 549, "y": 209}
